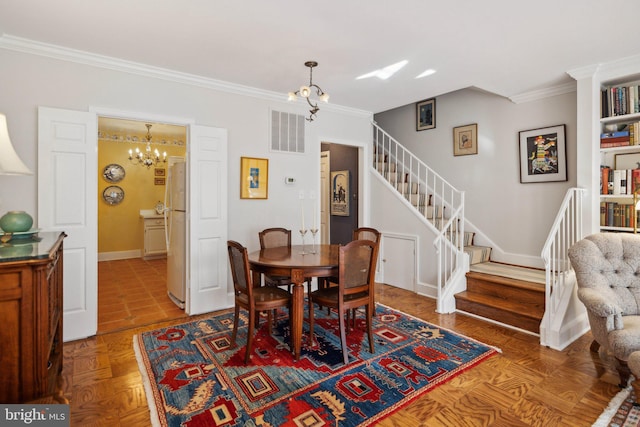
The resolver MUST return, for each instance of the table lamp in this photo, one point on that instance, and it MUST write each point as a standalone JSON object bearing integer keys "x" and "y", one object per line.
{"x": 10, "y": 163}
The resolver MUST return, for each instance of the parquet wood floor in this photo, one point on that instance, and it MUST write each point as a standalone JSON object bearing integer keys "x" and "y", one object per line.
{"x": 525, "y": 385}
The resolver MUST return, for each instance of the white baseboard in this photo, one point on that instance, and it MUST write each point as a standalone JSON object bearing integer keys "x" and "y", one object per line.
{"x": 113, "y": 256}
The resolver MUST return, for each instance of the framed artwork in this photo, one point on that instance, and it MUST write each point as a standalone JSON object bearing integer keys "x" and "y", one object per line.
{"x": 254, "y": 178}
{"x": 340, "y": 193}
{"x": 465, "y": 140}
{"x": 426, "y": 114}
{"x": 158, "y": 181}
{"x": 543, "y": 155}
{"x": 627, "y": 161}
{"x": 159, "y": 171}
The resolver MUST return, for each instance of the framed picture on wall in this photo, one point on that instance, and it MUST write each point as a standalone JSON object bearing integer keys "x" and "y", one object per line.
{"x": 465, "y": 140}
{"x": 543, "y": 155}
{"x": 340, "y": 193}
{"x": 426, "y": 114}
{"x": 254, "y": 178}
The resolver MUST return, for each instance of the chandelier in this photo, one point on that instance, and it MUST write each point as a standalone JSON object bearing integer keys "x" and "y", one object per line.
{"x": 307, "y": 91}
{"x": 147, "y": 158}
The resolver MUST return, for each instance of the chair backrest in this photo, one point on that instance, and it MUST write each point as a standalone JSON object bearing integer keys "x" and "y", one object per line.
{"x": 239, "y": 261}
{"x": 610, "y": 264}
{"x": 357, "y": 266}
{"x": 274, "y": 237}
{"x": 366, "y": 233}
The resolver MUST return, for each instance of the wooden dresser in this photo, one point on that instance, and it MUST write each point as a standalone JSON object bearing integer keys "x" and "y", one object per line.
{"x": 31, "y": 272}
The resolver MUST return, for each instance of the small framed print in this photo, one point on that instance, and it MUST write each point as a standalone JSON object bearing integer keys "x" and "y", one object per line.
{"x": 254, "y": 178}
{"x": 543, "y": 155}
{"x": 426, "y": 114}
{"x": 340, "y": 193}
{"x": 159, "y": 172}
{"x": 465, "y": 140}
{"x": 158, "y": 181}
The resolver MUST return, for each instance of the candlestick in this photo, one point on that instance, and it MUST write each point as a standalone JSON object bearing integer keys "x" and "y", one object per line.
{"x": 302, "y": 215}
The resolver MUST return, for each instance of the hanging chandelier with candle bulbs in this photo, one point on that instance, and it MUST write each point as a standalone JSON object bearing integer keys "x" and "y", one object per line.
{"x": 148, "y": 157}
{"x": 307, "y": 92}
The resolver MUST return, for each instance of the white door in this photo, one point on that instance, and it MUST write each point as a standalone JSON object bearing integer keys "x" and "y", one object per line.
{"x": 67, "y": 201}
{"x": 325, "y": 163}
{"x": 399, "y": 261}
{"x": 207, "y": 227}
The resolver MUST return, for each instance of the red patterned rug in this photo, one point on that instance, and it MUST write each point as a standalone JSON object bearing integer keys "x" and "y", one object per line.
{"x": 621, "y": 411}
{"x": 193, "y": 378}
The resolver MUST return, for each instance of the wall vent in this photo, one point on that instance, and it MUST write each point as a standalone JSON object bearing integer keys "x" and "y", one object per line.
{"x": 287, "y": 132}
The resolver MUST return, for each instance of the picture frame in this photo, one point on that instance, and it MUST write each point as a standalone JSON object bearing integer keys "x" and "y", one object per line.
{"x": 627, "y": 161}
{"x": 465, "y": 140}
{"x": 543, "y": 155}
{"x": 340, "y": 193}
{"x": 159, "y": 172}
{"x": 254, "y": 178}
{"x": 426, "y": 114}
{"x": 159, "y": 181}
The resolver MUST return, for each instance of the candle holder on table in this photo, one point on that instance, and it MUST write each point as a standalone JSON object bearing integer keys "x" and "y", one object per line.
{"x": 303, "y": 232}
{"x": 314, "y": 231}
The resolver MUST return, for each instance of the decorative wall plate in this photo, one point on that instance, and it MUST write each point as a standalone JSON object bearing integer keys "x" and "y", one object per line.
{"x": 113, "y": 195}
{"x": 113, "y": 173}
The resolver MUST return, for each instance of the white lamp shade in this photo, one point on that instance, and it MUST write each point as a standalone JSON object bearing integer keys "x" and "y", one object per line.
{"x": 10, "y": 163}
{"x": 305, "y": 91}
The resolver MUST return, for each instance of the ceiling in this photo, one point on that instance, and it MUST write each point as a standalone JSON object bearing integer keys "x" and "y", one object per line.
{"x": 505, "y": 47}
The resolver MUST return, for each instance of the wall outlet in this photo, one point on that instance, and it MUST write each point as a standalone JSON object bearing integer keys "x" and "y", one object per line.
{"x": 289, "y": 180}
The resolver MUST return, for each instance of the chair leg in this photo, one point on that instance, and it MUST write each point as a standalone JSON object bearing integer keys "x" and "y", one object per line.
{"x": 343, "y": 336}
{"x": 236, "y": 316}
{"x": 369, "y": 327}
{"x": 247, "y": 355}
{"x": 311, "y": 322}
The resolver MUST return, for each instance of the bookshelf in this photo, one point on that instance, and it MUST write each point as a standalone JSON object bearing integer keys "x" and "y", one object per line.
{"x": 619, "y": 154}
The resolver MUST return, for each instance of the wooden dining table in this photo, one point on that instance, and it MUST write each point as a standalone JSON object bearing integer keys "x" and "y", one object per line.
{"x": 300, "y": 265}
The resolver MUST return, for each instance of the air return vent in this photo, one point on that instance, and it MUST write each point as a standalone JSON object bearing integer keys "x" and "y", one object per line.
{"x": 287, "y": 132}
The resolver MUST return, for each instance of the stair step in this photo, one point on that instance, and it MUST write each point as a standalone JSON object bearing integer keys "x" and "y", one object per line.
{"x": 514, "y": 295}
{"x": 504, "y": 311}
{"x": 478, "y": 254}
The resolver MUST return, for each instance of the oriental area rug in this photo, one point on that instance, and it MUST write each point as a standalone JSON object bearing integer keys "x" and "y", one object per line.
{"x": 621, "y": 411}
{"x": 194, "y": 378}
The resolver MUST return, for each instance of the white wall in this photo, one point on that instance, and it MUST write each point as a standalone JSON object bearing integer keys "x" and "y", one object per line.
{"x": 29, "y": 81}
{"x": 515, "y": 217}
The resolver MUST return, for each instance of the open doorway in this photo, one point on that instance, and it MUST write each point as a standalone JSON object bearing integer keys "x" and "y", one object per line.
{"x": 132, "y": 267}
{"x": 340, "y": 186}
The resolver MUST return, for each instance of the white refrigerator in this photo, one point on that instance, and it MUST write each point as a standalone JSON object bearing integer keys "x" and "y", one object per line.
{"x": 175, "y": 213}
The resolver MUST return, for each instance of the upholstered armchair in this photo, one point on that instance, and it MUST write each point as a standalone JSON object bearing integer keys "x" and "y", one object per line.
{"x": 607, "y": 267}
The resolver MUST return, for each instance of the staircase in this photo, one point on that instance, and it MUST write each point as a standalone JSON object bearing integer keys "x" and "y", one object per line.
{"x": 511, "y": 295}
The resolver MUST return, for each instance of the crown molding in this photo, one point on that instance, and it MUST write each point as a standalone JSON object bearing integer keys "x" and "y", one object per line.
{"x": 33, "y": 47}
{"x": 536, "y": 95}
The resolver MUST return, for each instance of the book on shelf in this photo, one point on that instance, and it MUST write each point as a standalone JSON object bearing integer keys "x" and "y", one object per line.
{"x": 620, "y": 100}
{"x": 613, "y": 214}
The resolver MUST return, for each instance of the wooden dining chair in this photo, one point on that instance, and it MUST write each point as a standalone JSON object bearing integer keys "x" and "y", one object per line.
{"x": 253, "y": 299}
{"x": 361, "y": 233}
{"x": 273, "y": 238}
{"x": 356, "y": 275}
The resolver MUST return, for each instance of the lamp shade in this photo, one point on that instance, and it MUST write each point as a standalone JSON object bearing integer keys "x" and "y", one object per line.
{"x": 10, "y": 163}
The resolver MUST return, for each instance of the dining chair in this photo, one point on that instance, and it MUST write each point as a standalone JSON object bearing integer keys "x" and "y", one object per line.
{"x": 356, "y": 275}
{"x": 253, "y": 299}
{"x": 272, "y": 238}
{"x": 361, "y": 233}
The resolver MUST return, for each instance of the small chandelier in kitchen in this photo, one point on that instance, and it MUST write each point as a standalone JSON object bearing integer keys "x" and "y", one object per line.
{"x": 306, "y": 92}
{"x": 147, "y": 158}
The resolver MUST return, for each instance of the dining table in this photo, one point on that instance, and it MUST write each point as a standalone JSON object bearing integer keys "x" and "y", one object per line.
{"x": 300, "y": 263}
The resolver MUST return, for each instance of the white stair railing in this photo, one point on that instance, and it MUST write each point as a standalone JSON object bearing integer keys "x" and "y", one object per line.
{"x": 566, "y": 230}
{"x": 431, "y": 195}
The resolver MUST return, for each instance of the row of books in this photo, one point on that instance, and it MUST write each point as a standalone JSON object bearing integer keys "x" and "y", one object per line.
{"x": 614, "y": 214}
{"x": 618, "y": 181}
{"x": 630, "y": 136}
{"x": 620, "y": 100}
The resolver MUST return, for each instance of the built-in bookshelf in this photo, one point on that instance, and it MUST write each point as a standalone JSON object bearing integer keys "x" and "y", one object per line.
{"x": 619, "y": 155}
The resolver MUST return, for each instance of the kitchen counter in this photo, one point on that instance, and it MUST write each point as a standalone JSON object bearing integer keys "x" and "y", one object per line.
{"x": 150, "y": 214}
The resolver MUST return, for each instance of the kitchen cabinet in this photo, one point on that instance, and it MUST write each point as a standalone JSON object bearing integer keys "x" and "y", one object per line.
{"x": 154, "y": 238}
{"x": 31, "y": 284}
